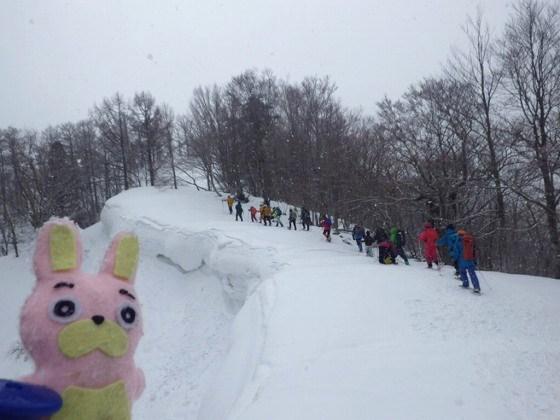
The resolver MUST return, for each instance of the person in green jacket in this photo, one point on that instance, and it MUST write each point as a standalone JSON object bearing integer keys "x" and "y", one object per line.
{"x": 276, "y": 213}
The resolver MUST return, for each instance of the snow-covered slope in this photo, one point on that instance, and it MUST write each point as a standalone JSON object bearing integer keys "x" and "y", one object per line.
{"x": 244, "y": 321}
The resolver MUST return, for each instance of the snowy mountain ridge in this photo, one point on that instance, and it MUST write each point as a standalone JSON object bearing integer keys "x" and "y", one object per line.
{"x": 244, "y": 321}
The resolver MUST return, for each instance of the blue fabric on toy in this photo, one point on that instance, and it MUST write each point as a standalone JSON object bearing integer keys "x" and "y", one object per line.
{"x": 24, "y": 401}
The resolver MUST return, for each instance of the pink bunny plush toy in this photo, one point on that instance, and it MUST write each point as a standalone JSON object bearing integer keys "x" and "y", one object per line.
{"x": 82, "y": 329}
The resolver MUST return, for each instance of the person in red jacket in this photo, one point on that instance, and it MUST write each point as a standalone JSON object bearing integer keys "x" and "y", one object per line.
{"x": 429, "y": 236}
{"x": 326, "y": 223}
{"x": 253, "y": 212}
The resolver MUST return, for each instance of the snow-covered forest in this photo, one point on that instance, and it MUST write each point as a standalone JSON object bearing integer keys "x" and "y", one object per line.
{"x": 477, "y": 145}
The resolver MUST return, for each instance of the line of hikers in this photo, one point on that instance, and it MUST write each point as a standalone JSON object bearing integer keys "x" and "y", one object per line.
{"x": 459, "y": 244}
{"x": 268, "y": 214}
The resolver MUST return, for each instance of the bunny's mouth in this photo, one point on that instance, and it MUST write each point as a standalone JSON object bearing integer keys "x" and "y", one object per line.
{"x": 82, "y": 337}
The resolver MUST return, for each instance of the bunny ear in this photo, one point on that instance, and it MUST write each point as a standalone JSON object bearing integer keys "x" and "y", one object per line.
{"x": 58, "y": 248}
{"x": 121, "y": 259}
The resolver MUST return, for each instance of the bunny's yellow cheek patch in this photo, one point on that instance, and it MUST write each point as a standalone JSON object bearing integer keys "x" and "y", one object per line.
{"x": 82, "y": 337}
{"x": 110, "y": 402}
{"x": 126, "y": 258}
{"x": 63, "y": 250}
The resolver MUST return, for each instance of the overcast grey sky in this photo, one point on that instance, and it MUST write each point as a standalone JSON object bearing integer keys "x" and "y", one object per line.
{"x": 59, "y": 57}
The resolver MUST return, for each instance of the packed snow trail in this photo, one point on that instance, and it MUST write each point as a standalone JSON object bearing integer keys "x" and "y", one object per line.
{"x": 244, "y": 321}
{"x": 401, "y": 343}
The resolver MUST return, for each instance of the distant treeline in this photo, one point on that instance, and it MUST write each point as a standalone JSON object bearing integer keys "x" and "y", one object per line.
{"x": 478, "y": 146}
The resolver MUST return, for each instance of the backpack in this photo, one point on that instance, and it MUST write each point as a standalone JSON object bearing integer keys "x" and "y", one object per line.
{"x": 278, "y": 211}
{"x": 468, "y": 247}
{"x": 380, "y": 235}
{"x": 401, "y": 241}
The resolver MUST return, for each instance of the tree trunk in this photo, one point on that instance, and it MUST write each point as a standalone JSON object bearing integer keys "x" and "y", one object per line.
{"x": 172, "y": 158}
{"x": 123, "y": 150}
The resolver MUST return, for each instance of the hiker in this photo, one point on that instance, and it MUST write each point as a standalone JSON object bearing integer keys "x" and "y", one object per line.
{"x": 326, "y": 223}
{"x": 465, "y": 253}
{"x": 305, "y": 218}
{"x": 241, "y": 197}
{"x": 368, "y": 242}
{"x": 302, "y": 217}
{"x": 398, "y": 240}
{"x": 253, "y": 212}
{"x": 449, "y": 240}
{"x": 276, "y": 213}
{"x": 292, "y": 218}
{"x": 358, "y": 235}
{"x": 380, "y": 235}
{"x": 267, "y": 214}
{"x": 261, "y": 215}
{"x": 230, "y": 200}
{"x": 238, "y": 211}
{"x": 386, "y": 252}
{"x": 429, "y": 236}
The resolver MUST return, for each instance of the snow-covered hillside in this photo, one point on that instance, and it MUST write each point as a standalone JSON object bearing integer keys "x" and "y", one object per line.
{"x": 244, "y": 321}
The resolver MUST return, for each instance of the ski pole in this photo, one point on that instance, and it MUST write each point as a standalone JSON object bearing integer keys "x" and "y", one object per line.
{"x": 483, "y": 277}
{"x": 438, "y": 263}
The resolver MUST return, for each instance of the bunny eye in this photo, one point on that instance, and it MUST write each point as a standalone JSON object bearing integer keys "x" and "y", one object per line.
{"x": 127, "y": 316}
{"x": 65, "y": 310}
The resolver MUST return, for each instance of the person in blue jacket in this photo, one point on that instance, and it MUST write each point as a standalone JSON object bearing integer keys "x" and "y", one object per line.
{"x": 238, "y": 211}
{"x": 465, "y": 253}
{"x": 358, "y": 234}
{"x": 449, "y": 239}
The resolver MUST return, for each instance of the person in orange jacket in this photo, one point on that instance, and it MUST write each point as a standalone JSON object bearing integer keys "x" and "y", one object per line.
{"x": 266, "y": 213}
{"x": 465, "y": 251}
{"x": 429, "y": 236}
{"x": 230, "y": 200}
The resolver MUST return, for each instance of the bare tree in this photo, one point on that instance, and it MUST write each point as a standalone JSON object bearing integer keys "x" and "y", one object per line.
{"x": 531, "y": 57}
{"x": 168, "y": 132}
{"x": 7, "y": 225}
{"x": 112, "y": 122}
{"x": 148, "y": 124}
{"x": 479, "y": 69}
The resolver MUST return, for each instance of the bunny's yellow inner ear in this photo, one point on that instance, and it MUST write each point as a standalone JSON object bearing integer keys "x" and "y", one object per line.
{"x": 126, "y": 258}
{"x": 63, "y": 250}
